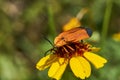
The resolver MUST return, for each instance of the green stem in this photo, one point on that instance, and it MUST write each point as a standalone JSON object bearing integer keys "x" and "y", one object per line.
{"x": 51, "y": 21}
{"x": 106, "y": 21}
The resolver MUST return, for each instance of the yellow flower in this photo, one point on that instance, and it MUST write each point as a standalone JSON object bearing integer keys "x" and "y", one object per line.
{"x": 77, "y": 55}
{"x": 116, "y": 36}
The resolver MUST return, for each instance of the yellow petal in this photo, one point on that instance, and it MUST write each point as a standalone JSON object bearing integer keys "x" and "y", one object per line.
{"x": 94, "y": 49}
{"x": 74, "y": 22}
{"x": 96, "y": 60}
{"x": 45, "y": 62}
{"x": 86, "y": 66}
{"x": 57, "y": 68}
{"x": 80, "y": 67}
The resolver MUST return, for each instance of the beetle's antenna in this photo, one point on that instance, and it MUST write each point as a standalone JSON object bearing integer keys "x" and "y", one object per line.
{"x": 50, "y": 50}
{"x": 49, "y": 41}
{"x": 47, "y": 52}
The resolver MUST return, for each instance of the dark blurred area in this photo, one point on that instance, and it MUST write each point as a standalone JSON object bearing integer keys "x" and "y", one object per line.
{"x": 25, "y": 23}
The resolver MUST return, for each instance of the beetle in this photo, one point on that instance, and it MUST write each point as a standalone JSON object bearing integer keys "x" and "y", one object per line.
{"x": 72, "y": 35}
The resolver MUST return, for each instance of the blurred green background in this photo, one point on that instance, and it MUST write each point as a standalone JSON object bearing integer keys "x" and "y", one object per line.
{"x": 24, "y": 23}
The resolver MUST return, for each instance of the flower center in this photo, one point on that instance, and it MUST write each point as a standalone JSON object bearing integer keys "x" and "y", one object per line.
{"x": 72, "y": 49}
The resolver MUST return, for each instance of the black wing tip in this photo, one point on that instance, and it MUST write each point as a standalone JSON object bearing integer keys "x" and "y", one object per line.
{"x": 89, "y": 31}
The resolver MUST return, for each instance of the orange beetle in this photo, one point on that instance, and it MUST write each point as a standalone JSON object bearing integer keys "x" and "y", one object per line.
{"x": 72, "y": 35}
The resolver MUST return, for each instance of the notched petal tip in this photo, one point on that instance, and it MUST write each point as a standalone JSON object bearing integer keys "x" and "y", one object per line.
{"x": 96, "y": 60}
{"x": 80, "y": 67}
{"x": 101, "y": 64}
{"x": 45, "y": 62}
{"x": 57, "y": 68}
